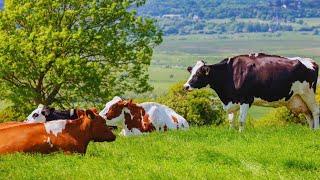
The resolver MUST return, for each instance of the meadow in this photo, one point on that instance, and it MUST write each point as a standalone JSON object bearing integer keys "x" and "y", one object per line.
{"x": 271, "y": 152}
{"x": 289, "y": 152}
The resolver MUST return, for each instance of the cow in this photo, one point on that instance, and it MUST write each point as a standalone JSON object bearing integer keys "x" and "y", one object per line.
{"x": 44, "y": 113}
{"x": 10, "y": 124}
{"x": 240, "y": 79}
{"x": 139, "y": 118}
{"x": 69, "y": 136}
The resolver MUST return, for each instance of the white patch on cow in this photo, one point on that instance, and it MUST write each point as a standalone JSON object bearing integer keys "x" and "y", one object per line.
{"x": 249, "y": 54}
{"x": 256, "y": 54}
{"x": 115, "y": 100}
{"x": 230, "y": 107}
{"x": 308, "y": 96}
{"x": 193, "y": 72}
{"x": 243, "y": 115}
{"x": 55, "y": 127}
{"x": 231, "y": 119}
{"x": 49, "y": 142}
{"x": 71, "y": 112}
{"x": 132, "y": 132}
{"x": 161, "y": 115}
{"x": 305, "y": 61}
{"x": 36, "y": 115}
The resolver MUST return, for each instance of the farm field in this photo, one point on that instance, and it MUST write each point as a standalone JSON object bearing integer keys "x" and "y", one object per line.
{"x": 201, "y": 153}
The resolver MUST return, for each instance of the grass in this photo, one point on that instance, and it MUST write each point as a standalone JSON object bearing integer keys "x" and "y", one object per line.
{"x": 201, "y": 153}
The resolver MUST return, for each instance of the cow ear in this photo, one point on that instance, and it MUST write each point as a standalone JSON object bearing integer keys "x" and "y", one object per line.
{"x": 40, "y": 106}
{"x": 94, "y": 110}
{"x": 90, "y": 114}
{"x": 189, "y": 69}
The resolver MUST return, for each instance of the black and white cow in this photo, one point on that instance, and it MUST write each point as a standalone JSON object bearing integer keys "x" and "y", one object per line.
{"x": 45, "y": 113}
{"x": 241, "y": 79}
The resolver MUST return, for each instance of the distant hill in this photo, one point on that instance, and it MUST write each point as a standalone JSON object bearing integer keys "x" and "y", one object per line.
{"x": 232, "y": 16}
{"x": 208, "y": 9}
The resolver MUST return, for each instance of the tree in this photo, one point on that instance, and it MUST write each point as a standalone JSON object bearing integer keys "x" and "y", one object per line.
{"x": 66, "y": 52}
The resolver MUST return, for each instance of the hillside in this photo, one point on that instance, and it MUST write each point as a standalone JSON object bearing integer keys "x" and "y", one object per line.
{"x": 232, "y": 16}
{"x": 209, "y": 9}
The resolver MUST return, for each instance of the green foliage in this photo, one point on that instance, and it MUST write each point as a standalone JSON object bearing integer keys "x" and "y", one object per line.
{"x": 280, "y": 116}
{"x": 10, "y": 114}
{"x": 69, "y": 52}
{"x": 199, "y": 107}
{"x": 186, "y": 26}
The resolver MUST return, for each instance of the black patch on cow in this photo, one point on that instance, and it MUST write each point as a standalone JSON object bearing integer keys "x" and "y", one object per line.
{"x": 60, "y": 114}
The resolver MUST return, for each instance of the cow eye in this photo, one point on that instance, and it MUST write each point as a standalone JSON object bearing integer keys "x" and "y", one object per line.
{"x": 35, "y": 115}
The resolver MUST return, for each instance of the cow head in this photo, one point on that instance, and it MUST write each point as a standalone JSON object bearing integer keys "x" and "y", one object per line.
{"x": 99, "y": 130}
{"x": 113, "y": 111}
{"x": 199, "y": 76}
{"x": 38, "y": 115}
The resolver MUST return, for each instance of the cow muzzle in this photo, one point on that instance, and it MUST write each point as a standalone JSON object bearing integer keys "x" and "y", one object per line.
{"x": 187, "y": 87}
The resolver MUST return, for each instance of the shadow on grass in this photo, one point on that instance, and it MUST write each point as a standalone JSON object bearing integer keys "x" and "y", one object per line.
{"x": 301, "y": 165}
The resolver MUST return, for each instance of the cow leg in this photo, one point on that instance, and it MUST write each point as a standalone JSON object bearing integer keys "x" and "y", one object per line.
{"x": 310, "y": 120}
{"x": 231, "y": 120}
{"x": 231, "y": 108}
{"x": 242, "y": 116}
{"x": 309, "y": 99}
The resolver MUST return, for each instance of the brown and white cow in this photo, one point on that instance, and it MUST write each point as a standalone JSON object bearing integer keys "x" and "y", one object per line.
{"x": 139, "y": 118}
{"x": 60, "y": 135}
{"x": 241, "y": 79}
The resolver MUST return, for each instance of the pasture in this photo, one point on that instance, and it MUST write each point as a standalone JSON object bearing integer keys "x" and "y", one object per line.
{"x": 273, "y": 152}
{"x": 201, "y": 153}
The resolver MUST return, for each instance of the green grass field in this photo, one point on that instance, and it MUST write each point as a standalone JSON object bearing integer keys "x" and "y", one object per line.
{"x": 290, "y": 152}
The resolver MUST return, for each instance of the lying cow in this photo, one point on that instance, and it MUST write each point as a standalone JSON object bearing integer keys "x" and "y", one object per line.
{"x": 240, "y": 79}
{"x": 10, "y": 124}
{"x": 139, "y": 118}
{"x": 45, "y": 113}
{"x": 60, "y": 135}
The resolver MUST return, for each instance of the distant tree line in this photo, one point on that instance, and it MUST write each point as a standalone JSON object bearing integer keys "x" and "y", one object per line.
{"x": 287, "y": 10}
{"x": 183, "y": 27}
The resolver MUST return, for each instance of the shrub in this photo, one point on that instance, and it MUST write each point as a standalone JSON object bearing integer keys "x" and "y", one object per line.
{"x": 280, "y": 116}
{"x": 199, "y": 107}
{"x": 9, "y": 114}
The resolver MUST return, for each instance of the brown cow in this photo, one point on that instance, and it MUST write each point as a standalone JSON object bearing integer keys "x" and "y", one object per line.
{"x": 10, "y": 124}
{"x": 61, "y": 135}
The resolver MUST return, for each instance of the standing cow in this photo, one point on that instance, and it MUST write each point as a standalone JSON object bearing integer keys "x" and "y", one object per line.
{"x": 240, "y": 79}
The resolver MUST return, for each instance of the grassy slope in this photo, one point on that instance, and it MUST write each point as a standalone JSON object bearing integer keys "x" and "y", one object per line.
{"x": 286, "y": 152}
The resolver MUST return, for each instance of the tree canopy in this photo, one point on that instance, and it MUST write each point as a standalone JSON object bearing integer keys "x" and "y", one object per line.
{"x": 66, "y": 52}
